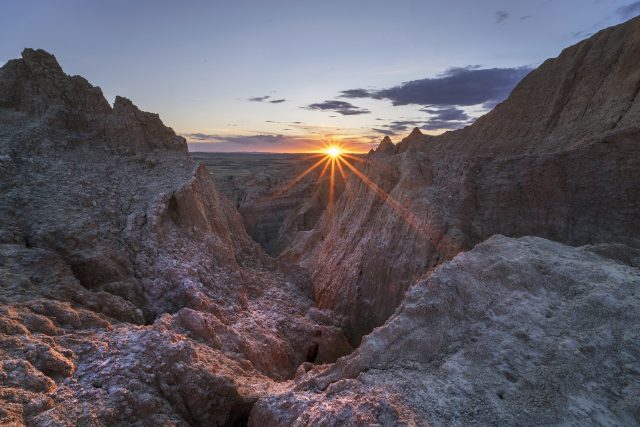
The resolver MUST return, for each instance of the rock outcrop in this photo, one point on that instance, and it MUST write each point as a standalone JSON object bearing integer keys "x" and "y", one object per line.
{"x": 560, "y": 159}
{"x": 131, "y": 292}
{"x": 515, "y": 332}
{"x": 386, "y": 146}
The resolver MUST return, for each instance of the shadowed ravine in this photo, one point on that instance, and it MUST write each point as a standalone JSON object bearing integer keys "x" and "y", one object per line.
{"x": 486, "y": 276}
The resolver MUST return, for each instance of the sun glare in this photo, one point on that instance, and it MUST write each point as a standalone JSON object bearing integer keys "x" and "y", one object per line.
{"x": 331, "y": 158}
{"x": 333, "y": 151}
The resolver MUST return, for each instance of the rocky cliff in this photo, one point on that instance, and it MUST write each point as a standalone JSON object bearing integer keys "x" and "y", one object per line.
{"x": 130, "y": 289}
{"x": 560, "y": 159}
{"x": 131, "y": 293}
{"x": 515, "y": 332}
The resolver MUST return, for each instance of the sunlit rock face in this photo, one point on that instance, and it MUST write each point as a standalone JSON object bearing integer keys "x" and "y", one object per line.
{"x": 560, "y": 159}
{"x": 130, "y": 291}
{"x": 515, "y": 332}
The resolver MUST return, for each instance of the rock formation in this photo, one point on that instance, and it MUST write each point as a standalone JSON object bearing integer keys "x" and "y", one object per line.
{"x": 515, "y": 332}
{"x": 560, "y": 159}
{"x": 130, "y": 288}
{"x": 130, "y": 292}
{"x": 386, "y": 146}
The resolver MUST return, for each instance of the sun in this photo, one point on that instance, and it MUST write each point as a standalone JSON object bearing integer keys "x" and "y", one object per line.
{"x": 333, "y": 151}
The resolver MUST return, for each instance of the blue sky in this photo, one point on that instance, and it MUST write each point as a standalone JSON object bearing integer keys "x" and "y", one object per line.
{"x": 334, "y": 69}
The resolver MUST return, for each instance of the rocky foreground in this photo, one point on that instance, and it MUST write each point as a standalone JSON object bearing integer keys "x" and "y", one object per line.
{"x": 130, "y": 291}
{"x": 131, "y": 294}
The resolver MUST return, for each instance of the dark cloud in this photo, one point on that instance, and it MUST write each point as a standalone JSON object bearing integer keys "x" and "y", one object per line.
{"x": 438, "y": 118}
{"x": 629, "y": 10}
{"x": 446, "y": 118}
{"x": 402, "y": 125}
{"x": 525, "y": 17}
{"x": 463, "y": 86}
{"x": 384, "y": 131}
{"x": 341, "y": 107}
{"x": 450, "y": 114}
{"x": 354, "y": 93}
{"x": 258, "y": 98}
{"x": 501, "y": 16}
{"x": 277, "y": 101}
{"x": 238, "y": 139}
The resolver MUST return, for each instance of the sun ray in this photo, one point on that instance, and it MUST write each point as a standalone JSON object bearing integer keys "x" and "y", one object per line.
{"x": 324, "y": 170}
{"x": 409, "y": 217}
{"x": 332, "y": 185}
{"x": 342, "y": 173}
{"x": 299, "y": 178}
{"x": 312, "y": 156}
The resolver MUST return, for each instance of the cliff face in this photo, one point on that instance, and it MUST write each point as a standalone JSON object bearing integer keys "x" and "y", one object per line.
{"x": 130, "y": 288}
{"x": 591, "y": 89}
{"x": 560, "y": 158}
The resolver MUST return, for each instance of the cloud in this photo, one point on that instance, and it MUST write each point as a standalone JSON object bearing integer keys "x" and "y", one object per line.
{"x": 629, "y": 10}
{"x": 355, "y": 93}
{"x": 208, "y": 142}
{"x": 446, "y": 118}
{"x": 258, "y": 98}
{"x": 277, "y": 101}
{"x": 525, "y": 17}
{"x": 438, "y": 118}
{"x": 341, "y": 107}
{"x": 402, "y": 125}
{"x": 384, "y": 131}
{"x": 462, "y": 86}
{"x": 451, "y": 114}
{"x": 501, "y": 16}
{"x": 238, "y": 139}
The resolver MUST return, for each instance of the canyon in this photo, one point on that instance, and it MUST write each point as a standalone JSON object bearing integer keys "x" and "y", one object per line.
{"x": 487, "y": 276}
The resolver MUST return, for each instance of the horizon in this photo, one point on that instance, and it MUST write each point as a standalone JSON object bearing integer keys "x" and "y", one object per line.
{"x": 292, "y": 77}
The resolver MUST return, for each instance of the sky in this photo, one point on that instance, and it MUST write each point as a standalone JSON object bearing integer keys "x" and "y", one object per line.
{"x": 288, "y": 76}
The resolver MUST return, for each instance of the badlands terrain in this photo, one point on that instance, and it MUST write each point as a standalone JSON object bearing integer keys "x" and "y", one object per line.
{"x": 489, "y": 276}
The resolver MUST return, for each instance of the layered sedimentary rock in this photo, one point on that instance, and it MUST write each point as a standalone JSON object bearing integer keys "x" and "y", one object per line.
{"x": 560, "y": 158}
{"x": 515, "y": 332}
{"x": 130, "y": 289}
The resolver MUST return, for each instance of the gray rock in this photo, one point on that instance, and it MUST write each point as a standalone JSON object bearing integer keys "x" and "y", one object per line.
{"x": 515, "y": 332}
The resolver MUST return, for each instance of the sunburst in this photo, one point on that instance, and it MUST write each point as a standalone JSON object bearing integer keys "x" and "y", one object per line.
{"x": 333, "y": 151}
{"x": 334, "y": 157}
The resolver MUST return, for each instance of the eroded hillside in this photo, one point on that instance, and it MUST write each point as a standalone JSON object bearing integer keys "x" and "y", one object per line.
{"x": 559, "y": 159}
{"x": 131, "y": 293}
{"x": 129, "y": 285}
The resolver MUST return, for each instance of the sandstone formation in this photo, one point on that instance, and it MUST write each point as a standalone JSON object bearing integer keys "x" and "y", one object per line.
{"x": 130, "y": 288}
{"x": 560, "y": 159}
